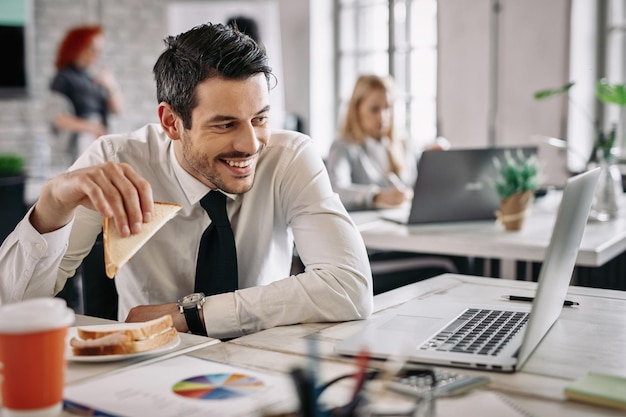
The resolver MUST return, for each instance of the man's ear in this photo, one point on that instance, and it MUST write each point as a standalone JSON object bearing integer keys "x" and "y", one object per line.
{"x": 170, "y": 122}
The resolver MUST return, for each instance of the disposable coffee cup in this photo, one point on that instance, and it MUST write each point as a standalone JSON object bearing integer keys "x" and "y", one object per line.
{"x": 32, "y": 356}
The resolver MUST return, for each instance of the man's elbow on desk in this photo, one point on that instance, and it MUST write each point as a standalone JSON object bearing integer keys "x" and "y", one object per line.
{"x": 355, "y": 294}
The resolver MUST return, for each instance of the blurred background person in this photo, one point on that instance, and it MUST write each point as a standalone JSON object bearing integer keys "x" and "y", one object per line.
{"x": 372, "y": 168}
{"x": 369, "y": 167}
{"x": 83, "y": 94}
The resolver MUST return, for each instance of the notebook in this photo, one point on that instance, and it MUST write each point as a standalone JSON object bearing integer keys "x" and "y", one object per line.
{"x": 456, "y": 185}
{"x": 422, "y": 330}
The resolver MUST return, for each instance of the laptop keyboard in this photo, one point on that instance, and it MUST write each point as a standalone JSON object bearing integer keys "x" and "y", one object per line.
{"x": 478, "y": 331}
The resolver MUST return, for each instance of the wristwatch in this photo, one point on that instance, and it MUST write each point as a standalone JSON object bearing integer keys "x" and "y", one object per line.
{"x": 191, "y": 306}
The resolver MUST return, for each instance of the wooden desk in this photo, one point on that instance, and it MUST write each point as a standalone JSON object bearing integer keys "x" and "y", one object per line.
{"x": 602, "y": 241}
{"x": 590, "y": 337}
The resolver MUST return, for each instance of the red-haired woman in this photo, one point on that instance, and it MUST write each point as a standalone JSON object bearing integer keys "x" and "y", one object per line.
{"x": 89, "y": 99}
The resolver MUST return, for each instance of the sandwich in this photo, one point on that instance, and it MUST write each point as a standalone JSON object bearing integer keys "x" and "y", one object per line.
{"x": 124, "y": 338}
{"x": 118, "y": 250}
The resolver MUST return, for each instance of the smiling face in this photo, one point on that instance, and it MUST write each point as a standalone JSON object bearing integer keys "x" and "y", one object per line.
{"x": 229, "y": 129}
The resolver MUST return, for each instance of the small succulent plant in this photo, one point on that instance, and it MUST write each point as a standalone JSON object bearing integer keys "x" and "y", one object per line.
{"x": 516, "y": 173}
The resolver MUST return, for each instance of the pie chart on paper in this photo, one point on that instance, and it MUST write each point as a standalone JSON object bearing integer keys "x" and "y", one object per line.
{"x": 218, "y": 386}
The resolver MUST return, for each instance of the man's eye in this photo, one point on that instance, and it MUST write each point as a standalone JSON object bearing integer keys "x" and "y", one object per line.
{"x": 261, "y": 120}
{"x": 225, "y": 126}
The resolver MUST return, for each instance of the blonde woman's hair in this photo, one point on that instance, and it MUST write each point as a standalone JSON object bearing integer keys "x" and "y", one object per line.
{"x": 352, "y": 129}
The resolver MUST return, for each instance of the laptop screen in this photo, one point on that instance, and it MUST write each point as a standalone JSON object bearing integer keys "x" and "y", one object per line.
{"x": 458, "y": 185}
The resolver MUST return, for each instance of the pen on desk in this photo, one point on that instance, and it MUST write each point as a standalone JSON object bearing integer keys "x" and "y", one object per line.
{"x": 531, "y": 299}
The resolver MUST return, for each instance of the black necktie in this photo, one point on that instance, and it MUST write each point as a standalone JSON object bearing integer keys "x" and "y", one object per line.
{"x": 216, "y": 270}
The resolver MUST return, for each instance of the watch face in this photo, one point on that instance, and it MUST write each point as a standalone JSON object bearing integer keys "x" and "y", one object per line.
{"x": 191, "y": 299}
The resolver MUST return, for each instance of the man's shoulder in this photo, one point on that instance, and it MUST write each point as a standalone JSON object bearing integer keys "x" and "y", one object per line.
{"x": 151, "y": 132}
{"x": 147, "y": 140}
{"x": 288, "y": 138}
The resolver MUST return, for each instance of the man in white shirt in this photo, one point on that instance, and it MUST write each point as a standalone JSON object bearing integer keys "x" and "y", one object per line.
{"x": 214, "y": 134}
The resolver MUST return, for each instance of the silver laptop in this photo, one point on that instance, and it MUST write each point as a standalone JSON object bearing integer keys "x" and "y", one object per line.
{"x": 448, "y": 333}
{"x": 457, "y": 185}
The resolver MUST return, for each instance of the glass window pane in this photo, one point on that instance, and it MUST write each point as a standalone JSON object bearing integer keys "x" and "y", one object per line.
{"x": 347, "y": 76}
{"x": 374, "y": 64}
{"x": 400, "y": 25}
{"x": 424, "y": 23}
{"x": 400, "y": 118}
{"x": 373, "y": 28}
{"x": 424, "y": 73}
{"x": 423, "y": 125}
{"x": 400, "y": 72}
{"x": 347, "y": 29}
{"x": 367, "y": 3}
{"x": 366, "y": 48}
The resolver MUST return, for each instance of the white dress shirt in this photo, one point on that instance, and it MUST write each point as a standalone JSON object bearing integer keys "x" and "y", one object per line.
{"x": 291, "y": 200}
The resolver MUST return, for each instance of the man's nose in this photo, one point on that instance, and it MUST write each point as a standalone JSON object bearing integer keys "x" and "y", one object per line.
{"x": 247, "y": 140}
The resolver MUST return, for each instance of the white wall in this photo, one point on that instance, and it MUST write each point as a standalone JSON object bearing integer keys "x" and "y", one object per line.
{"x": 532, "y": 54}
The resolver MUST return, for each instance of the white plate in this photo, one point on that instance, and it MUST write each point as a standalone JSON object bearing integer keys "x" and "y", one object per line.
{"x": 72, "y": 332}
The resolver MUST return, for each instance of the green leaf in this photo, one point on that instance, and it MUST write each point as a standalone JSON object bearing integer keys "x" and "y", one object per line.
{"x": 516, "y": 174}
{"x": 611, "y": 93}
{"x": 551, "y": 92}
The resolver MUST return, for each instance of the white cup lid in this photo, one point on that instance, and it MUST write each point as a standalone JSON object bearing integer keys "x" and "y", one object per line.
{"x": 35, "y": 314}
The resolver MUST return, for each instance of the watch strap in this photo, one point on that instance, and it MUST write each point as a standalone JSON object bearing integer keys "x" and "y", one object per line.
{"x": 192, "y": 316}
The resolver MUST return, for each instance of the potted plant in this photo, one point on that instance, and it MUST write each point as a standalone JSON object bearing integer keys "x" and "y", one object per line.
{"x": 607, "y": 93}
{"x": 517, "y": 181}
{"x": 605, "y": 206}
{"x": 12, "y": 180}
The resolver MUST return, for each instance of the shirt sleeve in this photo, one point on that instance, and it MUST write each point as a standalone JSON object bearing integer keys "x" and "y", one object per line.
{"x": 29, "y": 262}
{"x": 337, "y": 282}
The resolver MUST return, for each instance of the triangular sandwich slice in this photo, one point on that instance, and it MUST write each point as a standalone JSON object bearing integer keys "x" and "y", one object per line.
{"x": 118, "y": 250}
{"x": 124, "y": 338}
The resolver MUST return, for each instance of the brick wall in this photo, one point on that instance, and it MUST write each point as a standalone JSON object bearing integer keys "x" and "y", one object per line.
{"x": 134, "y": 31}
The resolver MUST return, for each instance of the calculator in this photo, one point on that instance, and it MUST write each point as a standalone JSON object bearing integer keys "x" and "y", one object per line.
{"x": 413, "y": 381}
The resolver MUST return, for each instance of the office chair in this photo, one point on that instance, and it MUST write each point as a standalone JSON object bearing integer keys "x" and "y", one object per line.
{"x": 391, "y": 270}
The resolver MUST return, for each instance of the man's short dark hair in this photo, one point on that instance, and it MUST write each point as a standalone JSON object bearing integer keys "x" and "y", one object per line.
{"x": 246, "y": 25}
{"x": 205, "y": 51}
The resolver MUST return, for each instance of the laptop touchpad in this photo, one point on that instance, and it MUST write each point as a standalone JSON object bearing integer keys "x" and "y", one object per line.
{"x": 417, "y": 326}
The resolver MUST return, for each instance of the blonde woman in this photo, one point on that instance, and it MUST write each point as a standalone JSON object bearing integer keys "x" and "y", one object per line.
{"x": 368, "y": 166}
{"x": 371, "y": 168}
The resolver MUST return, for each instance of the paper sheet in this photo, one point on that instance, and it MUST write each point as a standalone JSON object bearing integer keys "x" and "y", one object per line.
{"x": 152, "y": 390}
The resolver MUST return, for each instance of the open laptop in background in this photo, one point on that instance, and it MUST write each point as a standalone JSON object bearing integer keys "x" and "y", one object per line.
{"x": 456, "y": 185}
{"x": 447, "y": 333}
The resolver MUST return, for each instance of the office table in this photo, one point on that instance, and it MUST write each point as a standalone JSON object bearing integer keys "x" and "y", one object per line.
{"x": 591, "y": 337}
{"x": 602, "y": 241}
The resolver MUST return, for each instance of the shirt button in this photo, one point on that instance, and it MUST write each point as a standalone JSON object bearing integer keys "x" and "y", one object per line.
{"x": 39, "y": 246}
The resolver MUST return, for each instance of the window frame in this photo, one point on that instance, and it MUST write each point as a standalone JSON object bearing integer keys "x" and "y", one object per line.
{"x": 415, "y": 111}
